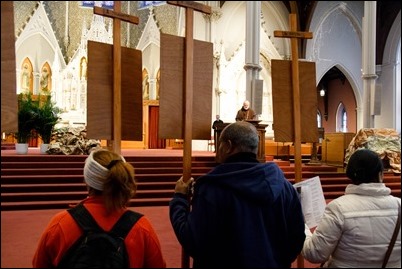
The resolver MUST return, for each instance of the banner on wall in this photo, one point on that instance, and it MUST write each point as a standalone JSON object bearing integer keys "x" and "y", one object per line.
{"x": 147, "y": 4}
{"x": 91, "y": 4}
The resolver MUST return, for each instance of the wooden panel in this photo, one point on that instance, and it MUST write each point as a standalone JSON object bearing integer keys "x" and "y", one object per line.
{"x": 334, "y": 146}
{"x": 100, "y": 92}
{"x": 172, "y": 88}
{"x": 282, "y": 93}
{"x": 131, "y": 94}
{"x": 9, "y": 105}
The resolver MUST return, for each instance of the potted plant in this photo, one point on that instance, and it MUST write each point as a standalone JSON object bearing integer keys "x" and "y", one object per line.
{"x": 26, "y": 121}
{"x": 47, "y": 116}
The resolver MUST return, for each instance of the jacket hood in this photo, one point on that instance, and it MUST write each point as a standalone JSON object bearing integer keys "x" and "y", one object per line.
{"x": 259, "y": 182}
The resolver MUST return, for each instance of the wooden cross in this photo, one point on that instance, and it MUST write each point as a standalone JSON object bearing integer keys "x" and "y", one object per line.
{"x": 188, "y": 108}
{"x": 294, "y": 36}
{"x": 117, "y": 17}
{"x": 190, "y": 6}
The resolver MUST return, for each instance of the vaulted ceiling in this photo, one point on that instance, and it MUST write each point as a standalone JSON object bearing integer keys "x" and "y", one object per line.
{"x": 386, "y": 14}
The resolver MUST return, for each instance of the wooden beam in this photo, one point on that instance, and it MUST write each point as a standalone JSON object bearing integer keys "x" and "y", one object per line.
{"x": 289, "y": 34}
{"x": 192, "y": 5}
{"x": 188, "y": 91}
{"x": 117, "y": 17}
{"x": 294, "y": 35}
{"x": 117, "y": 81}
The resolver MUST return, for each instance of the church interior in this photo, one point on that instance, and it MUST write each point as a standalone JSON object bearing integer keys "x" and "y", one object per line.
{"x": 348, "y": 93}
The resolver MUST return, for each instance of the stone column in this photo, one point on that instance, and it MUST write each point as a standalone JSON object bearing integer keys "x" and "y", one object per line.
{"x": 252, "y": 58}
{"x": 368, "y": 61}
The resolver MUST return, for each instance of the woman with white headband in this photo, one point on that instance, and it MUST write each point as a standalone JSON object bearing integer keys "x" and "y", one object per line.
{"x": 111, "y": 184}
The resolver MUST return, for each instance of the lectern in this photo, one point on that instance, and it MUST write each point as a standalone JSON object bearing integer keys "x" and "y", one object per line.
{"x": 261, "y": 135}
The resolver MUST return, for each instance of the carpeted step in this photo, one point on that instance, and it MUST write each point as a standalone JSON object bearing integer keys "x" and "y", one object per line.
{"x": 67, "y": 187}
{"x": 310, "y": 169}
{"x": 41, "y": 171}
{"x": 35, "y": 165}
{"x": 80, "y": 171}
{"x": 56, "y": 181}
{"x": 76, "y": 158}
{"x": 74, "y": 195}
{"x": 37, "y": 205}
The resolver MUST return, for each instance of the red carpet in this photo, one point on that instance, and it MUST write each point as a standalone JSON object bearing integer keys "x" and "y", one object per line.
{"x": 21, "y": 230}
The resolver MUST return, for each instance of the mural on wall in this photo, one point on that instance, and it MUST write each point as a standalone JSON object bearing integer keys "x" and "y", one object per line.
{"x": 45, "y": 79}
{"x": 27, "y": 77}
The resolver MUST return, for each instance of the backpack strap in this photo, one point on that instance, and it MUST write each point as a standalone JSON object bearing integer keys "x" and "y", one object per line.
{"x": 125, "y": 223}
{"x": 84, "y": 219}
{"x": 121, "y": 228}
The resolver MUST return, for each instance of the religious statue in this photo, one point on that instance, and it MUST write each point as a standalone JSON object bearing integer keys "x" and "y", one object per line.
{"x": 25, "y": 78}
{"x": 44, "y": 81}
{"x": 83, "y": 74}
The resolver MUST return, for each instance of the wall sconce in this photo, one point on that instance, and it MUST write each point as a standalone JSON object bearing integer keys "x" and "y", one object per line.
{"x": 322, "y": 93}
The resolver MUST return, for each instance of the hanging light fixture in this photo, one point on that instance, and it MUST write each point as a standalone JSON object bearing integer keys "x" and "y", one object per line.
{"x": 322, "y": 92}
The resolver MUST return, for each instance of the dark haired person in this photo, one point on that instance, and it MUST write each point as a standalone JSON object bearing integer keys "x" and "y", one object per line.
{"x": 111, "y": 184}
{"x": 356, "y": 228}
{"x": 244, "y": 214}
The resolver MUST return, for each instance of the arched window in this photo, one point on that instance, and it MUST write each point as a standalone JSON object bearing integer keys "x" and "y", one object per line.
{"x": 341, "y": 119}
{"x": 319, "y": 124}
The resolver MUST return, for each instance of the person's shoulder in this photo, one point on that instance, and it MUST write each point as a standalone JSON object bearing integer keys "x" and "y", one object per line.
{"x": 60, "y": 219}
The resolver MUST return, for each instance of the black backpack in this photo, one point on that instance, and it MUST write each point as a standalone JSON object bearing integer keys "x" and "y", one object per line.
{"x": 96, "y": 248}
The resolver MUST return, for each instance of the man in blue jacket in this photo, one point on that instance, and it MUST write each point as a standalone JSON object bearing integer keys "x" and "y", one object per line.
{"x": 244, "y": 214}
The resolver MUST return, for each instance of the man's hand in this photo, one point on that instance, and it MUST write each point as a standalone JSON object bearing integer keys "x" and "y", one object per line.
{"x": 184, "y": 187}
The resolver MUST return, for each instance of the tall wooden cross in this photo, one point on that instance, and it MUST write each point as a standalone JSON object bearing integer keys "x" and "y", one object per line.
{"x": 294, "y": 35}
{"x": 181, "y": 76}
{"x": 190, "y": 82}
{"x": 116, "y": 108}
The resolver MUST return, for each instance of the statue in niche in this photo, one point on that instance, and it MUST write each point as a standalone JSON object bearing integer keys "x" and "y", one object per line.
{"x": 145, "y": 87}
{"x": 83, "y": 74}
{"x": 158, "y": 80}
{"x": 44, "y": 81}
{"x": 26, "y": 79}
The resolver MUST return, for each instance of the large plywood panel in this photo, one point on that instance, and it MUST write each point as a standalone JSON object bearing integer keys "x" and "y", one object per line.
{"x": 131, "y": 94}
{"x": 100, "y": 92}
{"x": 282, "y": 97}
{"x": 171, "y": 113}
{"x": 9, "y": 107}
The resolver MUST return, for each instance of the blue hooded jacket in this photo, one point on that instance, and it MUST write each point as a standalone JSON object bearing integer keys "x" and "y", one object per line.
{"x": 244, "y": 214}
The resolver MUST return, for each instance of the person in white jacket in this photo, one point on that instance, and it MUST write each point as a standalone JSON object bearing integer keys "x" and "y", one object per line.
{"x": 356, "y": 228}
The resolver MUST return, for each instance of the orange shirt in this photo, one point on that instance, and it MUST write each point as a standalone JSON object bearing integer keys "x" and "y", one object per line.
{"x": 142, "y": 244}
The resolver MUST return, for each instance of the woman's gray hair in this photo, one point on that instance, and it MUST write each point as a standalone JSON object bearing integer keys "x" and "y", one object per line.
{"x": 243, "y": 135}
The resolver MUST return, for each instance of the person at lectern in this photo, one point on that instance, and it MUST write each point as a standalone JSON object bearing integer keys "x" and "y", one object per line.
{"x": 243, "y": 214}
{"x": 245, "y": 113}
{"x": 215, "y": 125}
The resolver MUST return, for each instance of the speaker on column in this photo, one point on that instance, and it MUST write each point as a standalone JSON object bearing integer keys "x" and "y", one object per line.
{"x": 257, "y": 91}
{"x": 375, "y": 100}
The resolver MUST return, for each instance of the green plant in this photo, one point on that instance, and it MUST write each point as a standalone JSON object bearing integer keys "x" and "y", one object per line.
{"x": 26, "y": 117}
{"x": 47, "y": 116}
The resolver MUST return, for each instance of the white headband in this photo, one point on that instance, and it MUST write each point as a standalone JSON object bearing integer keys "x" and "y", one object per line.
{"x": 94, "y": 173}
